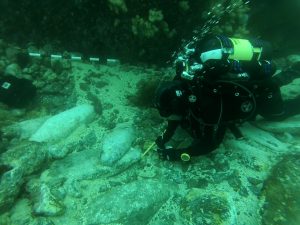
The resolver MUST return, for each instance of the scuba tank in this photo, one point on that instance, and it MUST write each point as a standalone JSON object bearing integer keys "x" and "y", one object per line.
{"x": 222, "y": 47}
{"x": 218, "y": 55}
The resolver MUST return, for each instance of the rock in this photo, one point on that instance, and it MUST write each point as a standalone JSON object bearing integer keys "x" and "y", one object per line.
{"x": 73, "y": 188}
{"x": 24, "y": 129}
{"x": 264, "y": 138}
{"x": 201, "y": 206}
{"x": 58, "y": 151}
{"x": 291, "y": 125}
{"x": 169, "y": 213}
{"x": 50, "y": 76}
{"x": 66, "y": 64}
{"x": 282, "y": 193}
{"x": 24, "y": 160}
{"x": 11, "y": 182}
{"x": 11, "y": 53}
{"x": 293, "y": 58}
{"x": 116, "y": 143}
{"x": 73, "y": 144}
{"x": 42, "y": 221}
{"x": 18, "y": 112}
{"x": 33, "y": 186}
{"x": 148, "y": 172}
{"x": 4, "y": 168}
{"x": 2, "y": 66}
{"x": 291, "y": 90}
{"x": 129, "y": 204}
{"x": 62, "y": 124}
{"x": 47, "y": 204}
{"x": 23, "y": 59}
{"x": 131, "y": 157}
{"x": 2, "y": 46}
{"x": 28, "y": 156}
{"x": 21, "y": 213}
{"x": 5, "y": 116}
{"x": 56, "y": 66}
{"x": 5, "y": 219}
{"x": 76, "y": 166}
{"x": 13, "y": 70}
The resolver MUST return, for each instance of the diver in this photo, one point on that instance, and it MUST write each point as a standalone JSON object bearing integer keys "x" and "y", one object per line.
{"x": 16, "y": 92}
{"x": 220, "y": 83}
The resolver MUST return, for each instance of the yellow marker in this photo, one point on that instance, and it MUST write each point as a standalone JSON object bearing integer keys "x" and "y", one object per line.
{"x": 185, "y": 157}
{"x": 148, "y": 149}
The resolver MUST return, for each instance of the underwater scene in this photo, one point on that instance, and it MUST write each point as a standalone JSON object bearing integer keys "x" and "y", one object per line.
{"x": 134, "y": 112}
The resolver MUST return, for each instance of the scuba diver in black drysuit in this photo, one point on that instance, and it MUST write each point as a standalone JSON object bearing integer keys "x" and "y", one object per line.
{"x": 221, "y": 82}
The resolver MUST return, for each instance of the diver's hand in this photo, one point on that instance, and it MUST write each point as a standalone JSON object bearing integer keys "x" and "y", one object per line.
{"x": 168, "y": 153}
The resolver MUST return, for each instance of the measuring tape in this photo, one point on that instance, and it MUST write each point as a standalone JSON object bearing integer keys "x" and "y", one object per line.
{"x": 75, "y": 58}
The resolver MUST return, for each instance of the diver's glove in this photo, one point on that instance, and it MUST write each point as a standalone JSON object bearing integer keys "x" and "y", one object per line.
{"x": 168, "y": 153}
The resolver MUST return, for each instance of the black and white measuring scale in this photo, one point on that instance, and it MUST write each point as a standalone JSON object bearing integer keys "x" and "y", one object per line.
{"x": 109, "y": 61}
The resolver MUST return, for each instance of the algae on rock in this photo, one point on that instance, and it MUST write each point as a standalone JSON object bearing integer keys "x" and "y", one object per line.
{"x": 204, "y": 207}
{"x": 282, "y": 193}
{"x": 129, "y": 204}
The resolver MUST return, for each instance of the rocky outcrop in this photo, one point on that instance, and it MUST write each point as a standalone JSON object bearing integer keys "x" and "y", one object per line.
{"x": 208, "y": 207}
{"x": 281, "y": 192}
{"x": 133, "y": 203}
{"x": 23, "y": 160}
{"x": 290, "y": 125}
{"x": 47, "y": 204}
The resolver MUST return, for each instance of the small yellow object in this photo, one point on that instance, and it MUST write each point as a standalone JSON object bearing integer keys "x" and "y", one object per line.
{"x": 148, "y": 149}
{"x": 185, "y": 157}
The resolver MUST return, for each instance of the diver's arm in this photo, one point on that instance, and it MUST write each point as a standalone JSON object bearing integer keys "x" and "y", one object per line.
{"x": 167, "y": 134}
{"x": 210, "y": 140}
{"x": 260, "y": 70}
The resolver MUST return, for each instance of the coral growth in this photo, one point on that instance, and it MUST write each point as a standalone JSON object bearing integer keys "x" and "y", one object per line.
{"x": 184, "y": 5}
{"x": 117, "y": 6}
{"x": 155, "y": 15}
{"x": 143, "y": 28}
{"x": 152, "y": 26}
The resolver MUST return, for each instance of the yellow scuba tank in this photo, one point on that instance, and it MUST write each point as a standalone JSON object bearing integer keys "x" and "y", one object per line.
{"x": 243, "y": 50}
{"x": 222, "y": 47}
